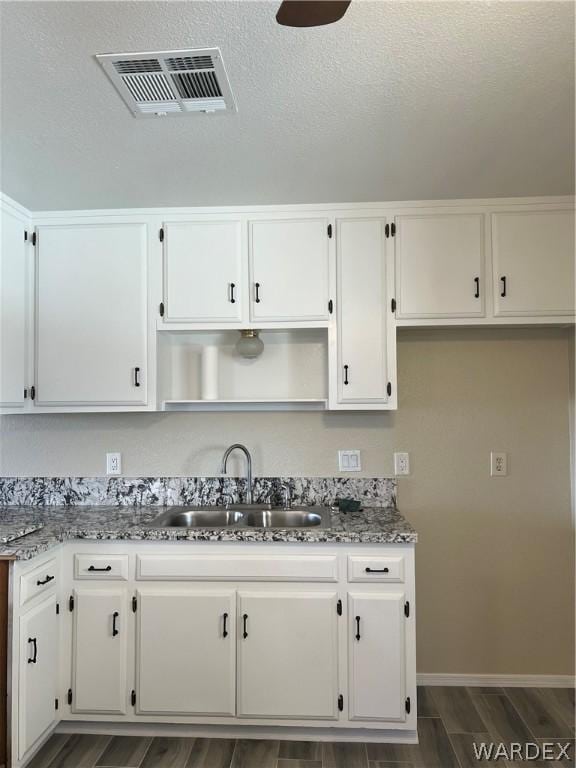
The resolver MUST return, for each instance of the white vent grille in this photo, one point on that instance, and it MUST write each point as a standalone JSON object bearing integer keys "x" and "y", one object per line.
{"x": 170, "y": 82}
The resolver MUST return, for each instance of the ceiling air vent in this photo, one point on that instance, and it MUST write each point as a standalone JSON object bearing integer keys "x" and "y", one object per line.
{"x": 168, "y": 83}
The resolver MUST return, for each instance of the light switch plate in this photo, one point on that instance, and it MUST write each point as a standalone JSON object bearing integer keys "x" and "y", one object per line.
{"x": 349, "y": 461}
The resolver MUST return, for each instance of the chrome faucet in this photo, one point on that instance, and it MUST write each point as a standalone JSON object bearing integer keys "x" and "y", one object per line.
{"x": 246, "y": 453}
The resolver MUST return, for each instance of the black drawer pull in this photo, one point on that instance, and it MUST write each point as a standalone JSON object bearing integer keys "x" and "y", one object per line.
{"x": 245, "y": 620}
{"x": 257, "y": 286}
{"x": 357, "y": 627}
{"x": 93, "y": 568}
{"x": 136, "y": 376}
{"x": 477, "y": 281}
{"x": 35, "y": 656}
{"x": 115, "y": 630}
{"x": 377, "y": 570}
{"x": 225, "y": 625}
{"x": 232, "y": 299}
{"x": 503, "y": 291}
{"x": 47, "y": 580}
{"x": 345, "y": 374}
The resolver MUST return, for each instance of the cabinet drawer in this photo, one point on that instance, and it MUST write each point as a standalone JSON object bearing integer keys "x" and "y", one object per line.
{"x": 38, "y": 581}
{"x": 106, "y": 567}
{"x": 376, "y": 569}
{"x": 237, "y": 568}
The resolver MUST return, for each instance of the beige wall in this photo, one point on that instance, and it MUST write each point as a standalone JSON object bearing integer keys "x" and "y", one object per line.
{"x": 495, "y": 564}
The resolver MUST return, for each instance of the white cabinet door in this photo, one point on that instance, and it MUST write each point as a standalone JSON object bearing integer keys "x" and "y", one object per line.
{"x": 99, "y": 651}
{"x": 439, "y": 265}
{"x": 533, "y": 256}
{"x": 91, "y": 315}
{"x": 289, "y": 264}
{"x": 38, "y": 673}
{"x": 366, "y": 336}
{"x": 203, "y": 271}
{"x": 377, "y": 656}
{"x": 13, "y": 307}
{"x": 287, "y": 655}
{"x": 186, "y": 652}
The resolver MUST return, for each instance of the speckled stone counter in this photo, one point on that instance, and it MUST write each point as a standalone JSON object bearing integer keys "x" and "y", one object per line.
{"x": 51, "y": 525}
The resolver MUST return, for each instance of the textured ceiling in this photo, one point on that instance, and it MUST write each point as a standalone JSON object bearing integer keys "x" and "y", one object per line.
{"x": 399, "y": 100}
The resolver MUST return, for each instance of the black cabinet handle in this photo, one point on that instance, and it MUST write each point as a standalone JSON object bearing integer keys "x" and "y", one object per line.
{"x": 35, "y": 656}
{"x": 345, "y": 374}
{"x": 257, "y": 287}
{"x": 503, "y": 291}
{"x": 136, "y": 376}
{"x": 232, "y": 299}
{"x": 93, "y": 568}
{"x": 376, "y": 570}
{"x": 225, "y": 625}
{"x": 357, "y": 627}
{"x": 47, "y": 580}
{"x": 477, "y": 281}
{"x": 245, "y": 620}
{"x": 115, "y": 630}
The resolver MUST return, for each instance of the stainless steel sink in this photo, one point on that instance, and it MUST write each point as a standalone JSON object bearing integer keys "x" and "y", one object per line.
{"x": 284, "y": 518}
{"x": 207, "y": 517}
{"x": 242, "y": 516}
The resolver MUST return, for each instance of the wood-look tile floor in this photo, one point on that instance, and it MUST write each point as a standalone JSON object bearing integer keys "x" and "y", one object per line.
{"x": 450, "y": 721}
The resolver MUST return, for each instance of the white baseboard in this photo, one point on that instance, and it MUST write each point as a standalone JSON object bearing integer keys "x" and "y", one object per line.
{"x": 498, "y": 681}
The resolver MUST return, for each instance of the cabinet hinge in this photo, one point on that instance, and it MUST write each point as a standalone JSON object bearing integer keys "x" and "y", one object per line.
{"x": 407, "y": 705}
{"x": 392, "y": 230}
{"x": 25, "y": 235}
{"x": 389, "y": 389}
{"x": 134, "y": 604}
{"x": 341, "y": 703}
{"x": 330, "y": 306}
{"x": 406, "y": 609}
{"x": 161, "y": 309}
{"x": 161, "y": 234}
{"x": 34, "y": 238}
{"x": 32, "y": 392}
{"x": 393, "y": 305}
{"x": 387, "y": 230}
{"x": 69, "y": 695}
{"x": 339, "y": 607}
{"x": 55, "y": 703}
{"x": 329, "y": 230}
{"x": 133, "y": 698}
{"x": 71, "y": 603}
{"x": 25, "y": 393}
{"x": 57, "y": 609}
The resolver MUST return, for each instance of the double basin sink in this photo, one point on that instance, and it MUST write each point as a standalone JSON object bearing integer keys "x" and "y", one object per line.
{"x": 243, "y": 516}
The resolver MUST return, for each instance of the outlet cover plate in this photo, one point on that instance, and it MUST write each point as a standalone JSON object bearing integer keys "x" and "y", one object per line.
{"x": 113, "y": 463}
{"x": 498, "y": 464}
{"x": 401, "y": 464}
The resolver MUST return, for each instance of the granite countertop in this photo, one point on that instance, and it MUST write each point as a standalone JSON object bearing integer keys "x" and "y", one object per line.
{"x": 41, "y": 528}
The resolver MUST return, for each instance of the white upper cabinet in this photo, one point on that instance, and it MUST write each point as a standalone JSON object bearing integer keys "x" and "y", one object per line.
{"x": 287, "y": 655}
{"x": 439, "y": 265}
{"x": 13, "y": 307}
{"x": 203, "y": 275}
{"x": 533, "y": 258}
{"x": 91, "y": 314}
{"x": 366, "y": 346}
{"x": 186, "y": 652}
{"x": 289, "y": 269}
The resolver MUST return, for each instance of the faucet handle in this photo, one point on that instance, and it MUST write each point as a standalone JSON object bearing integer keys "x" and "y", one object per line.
{"x": 287, "y": 494}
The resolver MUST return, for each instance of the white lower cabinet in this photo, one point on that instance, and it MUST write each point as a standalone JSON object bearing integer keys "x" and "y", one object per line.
{"x": 100, "y": 626}
{"x": 377, "y": 656}
{"x": 186, "y": 651}
{"x": 38, "y": 673}
{"x": 288, "y": 655}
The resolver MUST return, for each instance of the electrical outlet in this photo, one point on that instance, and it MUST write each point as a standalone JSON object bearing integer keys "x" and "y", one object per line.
{"x": 113, "y": 463}
{"x": 401, "y": 463}
{"x": 349, "y": 461}
{"x": 498, "y": 464}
